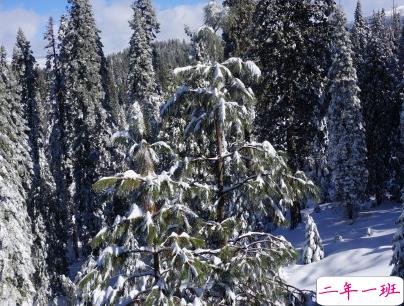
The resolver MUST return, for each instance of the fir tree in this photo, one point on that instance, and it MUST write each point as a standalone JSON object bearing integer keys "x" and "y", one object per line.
{"x": 56, "y": 152}
{"x": 380, "y": 107}
{"x": 23, "y": 64}
{"x": 347, "y": 146}
{"x": 41, "y": 197}
{"x": 313, "y": 249}
{"x": 360, "y": 33}
{"x": 16, "y": 262}
{"x": 291, "y": 44}
{"x": 142, "y": 80}
{"x": 85, "y": 118}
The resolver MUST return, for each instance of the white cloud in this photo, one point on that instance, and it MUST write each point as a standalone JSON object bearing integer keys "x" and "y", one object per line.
{"x": 112, "y": 19}
{"x": 173, "y": 20}
{"x": 11, "y": 20}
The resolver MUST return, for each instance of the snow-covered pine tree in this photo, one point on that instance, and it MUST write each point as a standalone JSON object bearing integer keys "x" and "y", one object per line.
{"x": 380, "y": 106}
{"x": 184, "y": 239}
{"x": 347, "y": 142}
{"x": 86, "y": 121}
{"x": 148, "y": 248}
{"x": 313, "y": 248}
{"x": 16, "y": 264}
{"x": 398, "y": 249}
{"x": 213, "y": 98}
{"x": 291, "y": 43}
{"x": 23, "y": 64}
{"x": 143, "y": 88}
{"x": 41, "y": 196}
{"x": 360, "y": 33}
{"x": 55, "y": 148}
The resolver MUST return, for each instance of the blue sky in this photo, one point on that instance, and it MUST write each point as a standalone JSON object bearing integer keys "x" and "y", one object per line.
{"x": 112, "y": 18}
{"x": 57, "y": 6}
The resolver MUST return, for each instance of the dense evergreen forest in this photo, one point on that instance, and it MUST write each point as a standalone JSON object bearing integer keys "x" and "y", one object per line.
{"x": 156, "y": 176}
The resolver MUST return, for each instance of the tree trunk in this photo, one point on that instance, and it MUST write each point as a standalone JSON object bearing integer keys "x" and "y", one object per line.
{"x": 295, "y": 209}
{"x": 156, "y": 266}
{"x": 220, "y": 173}
{"x": 295, "y": 215}
{"x": 350, "y": 210}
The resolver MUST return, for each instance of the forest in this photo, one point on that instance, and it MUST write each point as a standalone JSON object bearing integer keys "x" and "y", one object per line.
{"x": 162, "y": 174}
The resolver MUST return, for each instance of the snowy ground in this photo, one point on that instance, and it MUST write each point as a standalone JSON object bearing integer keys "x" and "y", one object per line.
{"x": 357, "y": 255}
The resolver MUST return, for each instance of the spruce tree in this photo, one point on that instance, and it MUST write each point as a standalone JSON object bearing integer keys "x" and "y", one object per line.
{"x": 380, "y": 106}
{"x": 23, "y": 63}
{"x": 41, "y": 195}
{"x": 360, "y": 33}
{"x": 347, "y": 142}
{"x": 313, "y": 249}
{"x": 55, "y": 151}
{"x": 16, "y": 262}
{"x": 85, "y": 118}
{"x": 187, "y": 237}
{"x": 142, "y": 80}
{"x": 291, "y": 45}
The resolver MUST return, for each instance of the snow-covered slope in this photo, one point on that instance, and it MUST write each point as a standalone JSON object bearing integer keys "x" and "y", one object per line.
{"x": 356, "y": 255}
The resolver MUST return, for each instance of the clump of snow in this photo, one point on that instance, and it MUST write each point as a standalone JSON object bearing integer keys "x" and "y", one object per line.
{"x": 338, "y": 238}
{"x": 135, "y": 212}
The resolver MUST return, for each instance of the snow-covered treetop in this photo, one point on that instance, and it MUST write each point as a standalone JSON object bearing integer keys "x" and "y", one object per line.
{"x": 222, "y": 95}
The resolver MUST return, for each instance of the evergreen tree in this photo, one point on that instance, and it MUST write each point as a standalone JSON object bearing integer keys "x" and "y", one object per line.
{"x": 16, "y": 262}
{"x": 237, "y": 28}
{"x": 360, "y": 33}
{"x": 347, "y": 146}
{"x": 23, "y": 64}
{"x": 189, "y": 228}
{"x": 142, "y": 80}
{"x": 313, "y": 249}
{"x": 85, "y": 119}
{"x": 398, "y": 249}
{"x": 55, "y": 152}
{"x": 291, "y": 45}
{"x": 380, "y": 107}
{"x": 41, "y": 195}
